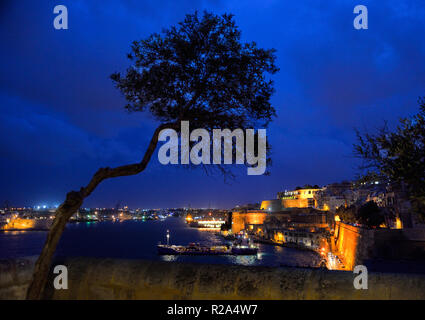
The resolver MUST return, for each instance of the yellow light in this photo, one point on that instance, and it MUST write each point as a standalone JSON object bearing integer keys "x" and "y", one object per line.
{"x": 279, "y": 237}
{"x": 398, "y": 223}
{"x": 337, "y": 218}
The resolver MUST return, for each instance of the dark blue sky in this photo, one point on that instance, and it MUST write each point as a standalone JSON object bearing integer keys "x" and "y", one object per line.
{"x": 61, "y": 117}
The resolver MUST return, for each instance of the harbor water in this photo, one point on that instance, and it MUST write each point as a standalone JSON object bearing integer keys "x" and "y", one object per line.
{"x": 136, "y": 239}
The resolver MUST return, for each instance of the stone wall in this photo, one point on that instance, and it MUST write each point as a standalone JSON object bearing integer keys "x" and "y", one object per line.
{"x": 15, "y": 276}
{"x": 295, "y": 203}
{"x": 352, "y": 244}
{"x": 138, "y": 279}
{"x": 240, "y": 220}
{"x": 357, "y": 245}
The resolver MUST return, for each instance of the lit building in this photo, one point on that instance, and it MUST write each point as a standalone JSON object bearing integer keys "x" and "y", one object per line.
{"x": 331, "y": 203}
{"x": 336, "y": 195}
{"x": 302, "y": 237}
{"x": 299, "y": 198}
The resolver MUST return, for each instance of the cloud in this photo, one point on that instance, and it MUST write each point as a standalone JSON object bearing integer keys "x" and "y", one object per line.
{"x": 62, "y": 118}
{"x": 34, "y": 133}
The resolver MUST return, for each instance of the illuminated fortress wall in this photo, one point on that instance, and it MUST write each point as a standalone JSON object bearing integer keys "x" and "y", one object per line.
{"x": 241, "y": 219}
{"x": 138, "y": 279}
{"x": 295, "y": 203}
{"x": 357, "y": 244}
{"x": 347, "y": 244}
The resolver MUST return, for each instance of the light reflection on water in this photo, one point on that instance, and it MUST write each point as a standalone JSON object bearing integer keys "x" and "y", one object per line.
{"x": 168, "y": 258}
{"x": 243, "y": 260}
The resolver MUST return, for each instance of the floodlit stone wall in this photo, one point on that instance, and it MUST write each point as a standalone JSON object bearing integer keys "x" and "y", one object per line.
{"x": 240, "y": 220}
{"x": 356, "y": 245}
{"x": 348, "y": 243}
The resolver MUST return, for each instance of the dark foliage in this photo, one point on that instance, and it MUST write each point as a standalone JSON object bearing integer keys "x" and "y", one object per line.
{"x": 200, "y": 71}
{"x": 370, "y": 215}
{"x": 347, "y": 214}
{"x": 398, "y": 156}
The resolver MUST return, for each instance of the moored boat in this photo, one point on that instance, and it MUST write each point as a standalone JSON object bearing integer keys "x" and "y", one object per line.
{"x": 192, "y": 249}
{"x": 244, "y": 250}
{"x": 238, "y": 248}
{"x": 197, "y": 249}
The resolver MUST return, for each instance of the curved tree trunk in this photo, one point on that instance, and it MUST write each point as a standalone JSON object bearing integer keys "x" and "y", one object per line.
{"x": 72, "y": 203}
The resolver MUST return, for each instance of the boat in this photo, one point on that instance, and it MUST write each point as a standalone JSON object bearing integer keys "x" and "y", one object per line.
{"x": 197, "y": 249}
{"x": 244, "y": 250}
{"x": 192, "y": 249}
{"x": 238, "y": 248}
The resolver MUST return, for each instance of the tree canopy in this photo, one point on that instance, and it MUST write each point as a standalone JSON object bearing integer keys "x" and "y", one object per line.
{"x": 347, "y": 214}
{"x": 398, "y": 156}
{"x": 370, "y": 215}
{"x": 200, "y": 71}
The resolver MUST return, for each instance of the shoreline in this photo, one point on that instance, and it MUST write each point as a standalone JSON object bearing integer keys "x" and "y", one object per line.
{"x": 23, "y": 230}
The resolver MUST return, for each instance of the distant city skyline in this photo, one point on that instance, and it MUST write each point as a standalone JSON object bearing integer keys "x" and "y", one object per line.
{"x": 62, "y": 119}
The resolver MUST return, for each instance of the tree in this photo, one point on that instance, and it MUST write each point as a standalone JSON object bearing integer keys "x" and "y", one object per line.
{"x": 347, "y": 214}
{"x": 370, "y": 215}
{"x": 398, "y": 156}
{"x": 199, "y": 71}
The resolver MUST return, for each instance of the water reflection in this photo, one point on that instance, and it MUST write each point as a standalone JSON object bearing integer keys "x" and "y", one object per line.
{"x": 168, "y": 258}
{"x": 243, "y": 260}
